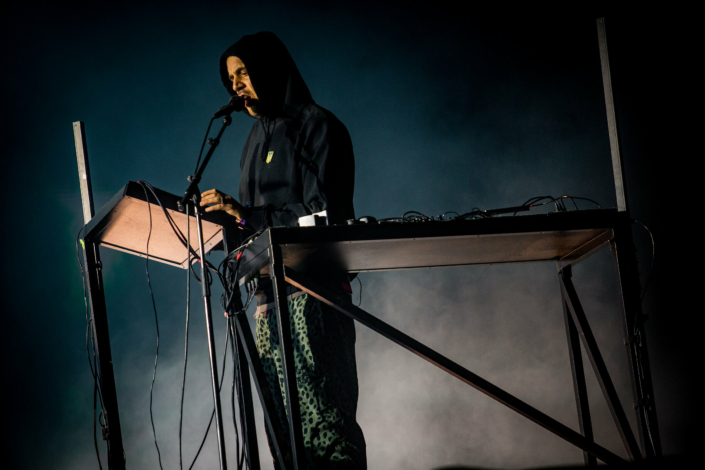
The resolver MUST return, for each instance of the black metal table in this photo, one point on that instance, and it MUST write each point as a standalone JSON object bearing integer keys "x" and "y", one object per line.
{"x": 295, "y": 256}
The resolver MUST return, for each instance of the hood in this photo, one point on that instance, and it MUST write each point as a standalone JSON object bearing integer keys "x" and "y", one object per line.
{"x": 273, "y": 73}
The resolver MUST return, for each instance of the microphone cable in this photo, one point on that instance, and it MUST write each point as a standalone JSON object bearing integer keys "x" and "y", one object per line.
{"x": 156, "y": 322}
{"x": 188, "y": 306}
{"x": 237, "y": 383}
{"x": 653, "y": 259}
{"x": 220, "y": 386}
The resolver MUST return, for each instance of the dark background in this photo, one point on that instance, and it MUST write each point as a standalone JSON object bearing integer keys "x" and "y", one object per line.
{"x": 448, "y": 109}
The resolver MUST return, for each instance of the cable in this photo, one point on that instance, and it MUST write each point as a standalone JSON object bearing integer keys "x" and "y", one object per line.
{"x": 178, "y": 233}
{"x": 235, "y": 382}
{"x": 584, "y": 199}
{"x": 572, "y": 199}
{"x": 227, "y": 279}
{"x": 532, "y": 202}
{"x": 169, "y": 219}
{"x": 233, "y": 353}
{"x": 653, "y": 259}
{"x": 209, "y": 279}
{"x": 231, "y": 289}
{"x": 637, "y": 344}
{"x": 442, "y": 216}
{"x": 97, "y": 390}
{"x": 474, "y": 213}
{"x": 237, "y": 379}
{"x": 413, "y": 216}
{"x": 156, "y": 321}
{"x": 229, "y": 286}
{"x": 89, "y": 320}
{"x": 95, "y": 438}
{"x": 89, "y": 334}
{"x": 220, "y": 386}
{"x": 188, "y": 305}
{"x": 559, "y": 203}
{"x": 174, "y": 227}
{"x": 186, "y": 241}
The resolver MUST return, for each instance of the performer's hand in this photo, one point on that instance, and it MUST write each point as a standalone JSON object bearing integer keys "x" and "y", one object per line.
{"x": 219, "y": 201}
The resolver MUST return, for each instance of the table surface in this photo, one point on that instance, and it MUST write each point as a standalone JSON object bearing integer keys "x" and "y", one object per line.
{"x": 566, "y": 238}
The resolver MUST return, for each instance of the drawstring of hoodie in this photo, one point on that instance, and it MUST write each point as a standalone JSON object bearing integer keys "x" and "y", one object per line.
{"x": 267, "y": 135}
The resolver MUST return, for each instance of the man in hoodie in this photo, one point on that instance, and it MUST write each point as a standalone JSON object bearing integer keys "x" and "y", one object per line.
{"x": 298, "y": 160}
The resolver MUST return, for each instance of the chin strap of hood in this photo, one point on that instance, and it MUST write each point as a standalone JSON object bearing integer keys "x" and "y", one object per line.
{"x": 276, "y": 79}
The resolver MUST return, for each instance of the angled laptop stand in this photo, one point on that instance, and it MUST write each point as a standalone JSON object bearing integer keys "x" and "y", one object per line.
{"x": 123, "y": 224}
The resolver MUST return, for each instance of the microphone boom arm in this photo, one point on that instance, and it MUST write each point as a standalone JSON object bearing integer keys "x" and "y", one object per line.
{"x": 196, "y": 178}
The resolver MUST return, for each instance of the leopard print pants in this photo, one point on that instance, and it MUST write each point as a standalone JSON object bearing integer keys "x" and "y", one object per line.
{"x": 326, "y": 375}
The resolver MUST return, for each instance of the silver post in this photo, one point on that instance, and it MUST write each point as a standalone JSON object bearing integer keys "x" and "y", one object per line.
{"x": 84, "y": 172}
{"x": 205, "y": 289}
{"x": 615, "y": 145}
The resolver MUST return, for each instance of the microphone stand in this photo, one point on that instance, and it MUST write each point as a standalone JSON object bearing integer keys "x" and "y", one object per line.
{"x": 194, "y": 194}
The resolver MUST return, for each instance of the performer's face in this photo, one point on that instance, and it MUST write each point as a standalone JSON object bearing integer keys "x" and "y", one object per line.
{"x": 242, "y": 84}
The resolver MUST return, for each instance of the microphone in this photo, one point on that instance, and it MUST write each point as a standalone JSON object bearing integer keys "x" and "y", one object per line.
{"x": 236, "y": 104}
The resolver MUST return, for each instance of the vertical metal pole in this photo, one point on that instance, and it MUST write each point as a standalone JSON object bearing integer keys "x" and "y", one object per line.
{"x": 276, "y": 273}
{"x": 634, "y": 336}
{"x": 84, "y": 172}
{"x": 99, "y": 316}
{"x": 206, "y": 293}
{"x": 615, "y": 144}
{"x": 635, "y": 340}
{"x": 578, "y": 370}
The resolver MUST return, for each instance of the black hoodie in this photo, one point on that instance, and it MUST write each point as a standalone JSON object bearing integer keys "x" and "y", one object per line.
{"x": 298, "y": 158}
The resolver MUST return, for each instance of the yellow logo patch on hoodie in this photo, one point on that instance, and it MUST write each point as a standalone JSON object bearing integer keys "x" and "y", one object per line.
{"x": 270, "y": 155}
